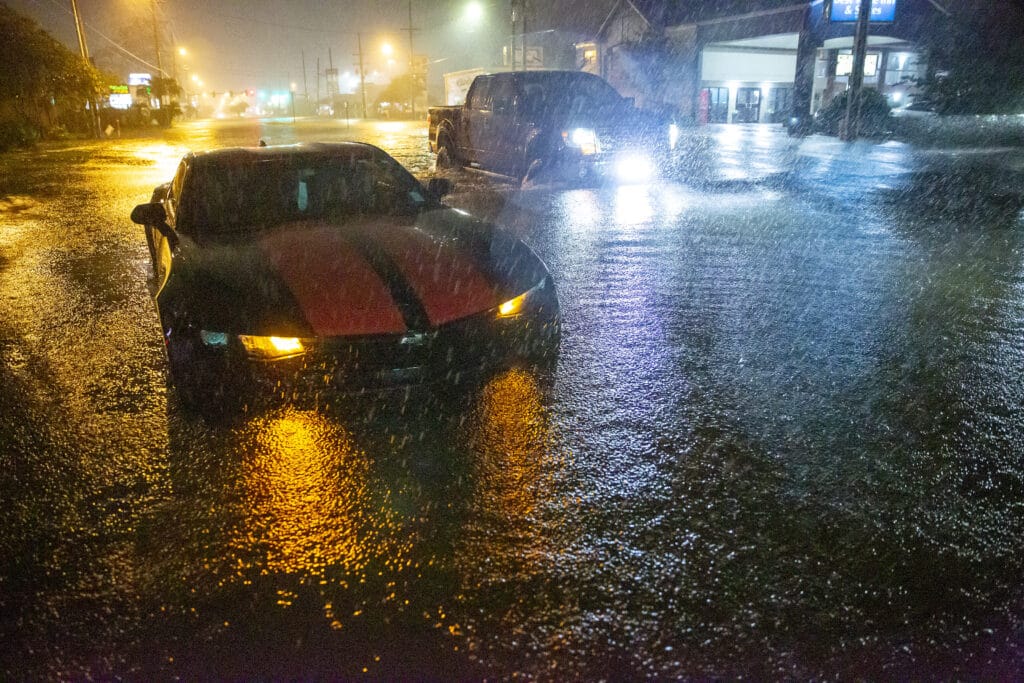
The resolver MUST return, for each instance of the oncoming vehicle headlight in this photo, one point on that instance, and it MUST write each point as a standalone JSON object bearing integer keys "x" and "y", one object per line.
{"x": 634, "y": 168}
{"x": 271, "y": 348}
{"x": 583, "y": 139}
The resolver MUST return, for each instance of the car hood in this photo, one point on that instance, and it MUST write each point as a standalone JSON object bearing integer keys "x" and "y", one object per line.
{"x": 370, "y": 277}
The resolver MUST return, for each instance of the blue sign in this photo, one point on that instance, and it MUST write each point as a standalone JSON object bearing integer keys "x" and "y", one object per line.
{"x": 847, "y": 10}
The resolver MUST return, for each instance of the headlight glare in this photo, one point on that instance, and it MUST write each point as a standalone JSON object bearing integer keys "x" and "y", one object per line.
{"x": 584, "y": 139}
{"x": 272, "y": 348}
{"x": 634, "y": 168}
{"x": 512, "y": 306}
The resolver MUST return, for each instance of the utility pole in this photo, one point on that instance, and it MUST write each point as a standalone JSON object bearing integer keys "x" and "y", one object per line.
{"x": 305, "y": 83}
{"x": 851, "y": 123}
{"x": 512, "y": 42}
{"x": 317, "y": 108}
{"x": 362, "y": 72}
{"x": 156, "y": 39}
{"x": 81, "y": 31}
{"x": 526, "y": 64}
{"x": 412, "y": 64}
{"x": 84, "y": 48}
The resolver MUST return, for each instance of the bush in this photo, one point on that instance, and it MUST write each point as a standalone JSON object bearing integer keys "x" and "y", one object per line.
{"x": 874, "y": 113}
{"x": 15, "y": 133}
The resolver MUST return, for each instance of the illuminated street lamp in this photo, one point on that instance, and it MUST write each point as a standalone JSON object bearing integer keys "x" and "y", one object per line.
{"x": 387, "y": 50}
{"x": 473, "y": 14}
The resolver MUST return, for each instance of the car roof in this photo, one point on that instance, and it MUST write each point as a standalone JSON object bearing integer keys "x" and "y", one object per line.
{"x": 229, "y": 155}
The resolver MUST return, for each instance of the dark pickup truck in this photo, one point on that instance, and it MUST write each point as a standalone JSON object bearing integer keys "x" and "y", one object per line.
{"x": 570, "y": 122}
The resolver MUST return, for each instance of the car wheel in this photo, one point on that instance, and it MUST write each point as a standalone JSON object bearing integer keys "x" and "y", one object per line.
{"x": 446, "y": 157}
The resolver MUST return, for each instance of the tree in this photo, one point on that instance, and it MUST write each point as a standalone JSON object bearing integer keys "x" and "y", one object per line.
{"x": 42, "y": 84}
{"x": 975, "y": 59}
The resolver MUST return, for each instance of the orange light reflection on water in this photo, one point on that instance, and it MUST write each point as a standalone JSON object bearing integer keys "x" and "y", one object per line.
{"x": 311, "y": 503}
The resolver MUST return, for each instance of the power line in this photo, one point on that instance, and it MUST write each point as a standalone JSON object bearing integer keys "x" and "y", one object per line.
{"x": 103, "y": 35}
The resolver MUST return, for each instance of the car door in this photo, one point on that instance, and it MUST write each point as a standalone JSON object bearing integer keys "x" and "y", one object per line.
{"x": 477, "y": 119}
{"x": 502, "y": 128}
{"x": 161, "y": 245}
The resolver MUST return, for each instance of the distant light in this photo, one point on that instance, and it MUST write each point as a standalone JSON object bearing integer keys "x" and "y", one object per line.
{"x": 766, "y": 87}
{"x": 294, "y": 86}
{"x": 474, "y": 13}
{"x": 195, "y": 78}
{"x": 387, "y": 49}
{"x": 897, "y": 97}
{"x": 182, "y": 51}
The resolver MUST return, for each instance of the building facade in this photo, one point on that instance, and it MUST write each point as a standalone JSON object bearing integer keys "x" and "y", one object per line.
{"x": 759, "y": 62}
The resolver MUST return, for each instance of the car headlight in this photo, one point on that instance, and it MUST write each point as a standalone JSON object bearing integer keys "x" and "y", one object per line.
{"x": 514, "y": 307}
{"x": 634, "y": 168}
{"x": 583, "y": 139}
{"x": 213, "y": 338}
{"x": 272, "y": 348}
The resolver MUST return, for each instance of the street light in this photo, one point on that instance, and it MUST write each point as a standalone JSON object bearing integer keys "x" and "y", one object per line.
{"x": 473, "y": 14}
{"x": 387, "y": 49}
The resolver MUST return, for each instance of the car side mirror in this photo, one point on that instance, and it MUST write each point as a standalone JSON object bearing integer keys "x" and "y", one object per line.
{"x": 149, "y": 214}
{"x": 439, "y": 187}
{"x": 154, "y": 214}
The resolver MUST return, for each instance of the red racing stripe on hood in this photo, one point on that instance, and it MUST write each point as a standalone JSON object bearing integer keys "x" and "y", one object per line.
{"x": 338, "y": 290}
{"x": 448, "y": 282}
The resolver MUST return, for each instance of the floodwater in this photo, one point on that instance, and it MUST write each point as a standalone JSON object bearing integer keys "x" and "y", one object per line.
{"x": 783, "y": 438}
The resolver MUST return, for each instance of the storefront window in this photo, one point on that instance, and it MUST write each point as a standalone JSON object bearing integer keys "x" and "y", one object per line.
{"x": 901, "y": 67}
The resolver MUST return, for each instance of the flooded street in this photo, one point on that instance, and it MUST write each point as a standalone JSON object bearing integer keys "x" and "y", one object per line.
{"x": 783, "y": 437}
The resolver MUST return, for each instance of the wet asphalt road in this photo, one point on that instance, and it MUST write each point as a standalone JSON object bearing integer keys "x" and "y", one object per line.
{"x": 783, "y": 438}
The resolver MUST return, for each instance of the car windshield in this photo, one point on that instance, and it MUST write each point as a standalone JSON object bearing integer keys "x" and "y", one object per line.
{"x": 224, "y": 196}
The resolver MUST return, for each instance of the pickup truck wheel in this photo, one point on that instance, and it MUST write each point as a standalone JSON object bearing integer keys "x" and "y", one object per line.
{"x": 446, "y": 157}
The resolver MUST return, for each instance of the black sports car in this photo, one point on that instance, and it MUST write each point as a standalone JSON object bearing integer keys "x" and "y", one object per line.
{"x": 328, "y": 266}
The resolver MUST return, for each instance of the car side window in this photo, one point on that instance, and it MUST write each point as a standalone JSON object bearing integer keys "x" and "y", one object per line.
{"x": 175, "y": 191}
{"x": 502, "y": 95}
{"x": 479, "y": 97}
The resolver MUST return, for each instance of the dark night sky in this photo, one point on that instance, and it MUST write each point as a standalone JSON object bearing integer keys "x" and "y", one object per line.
{"x": 236, "y": 44}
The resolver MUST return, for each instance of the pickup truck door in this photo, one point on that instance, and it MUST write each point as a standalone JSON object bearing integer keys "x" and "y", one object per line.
{"x": 476, "y": 120}
{"x": 504, "y": 132}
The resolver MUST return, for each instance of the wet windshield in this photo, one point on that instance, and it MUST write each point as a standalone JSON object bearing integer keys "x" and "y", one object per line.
{"x": 225, "y": 196}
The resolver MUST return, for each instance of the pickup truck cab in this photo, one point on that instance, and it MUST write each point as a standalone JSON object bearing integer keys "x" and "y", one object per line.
{"x": 514, "y": 123}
